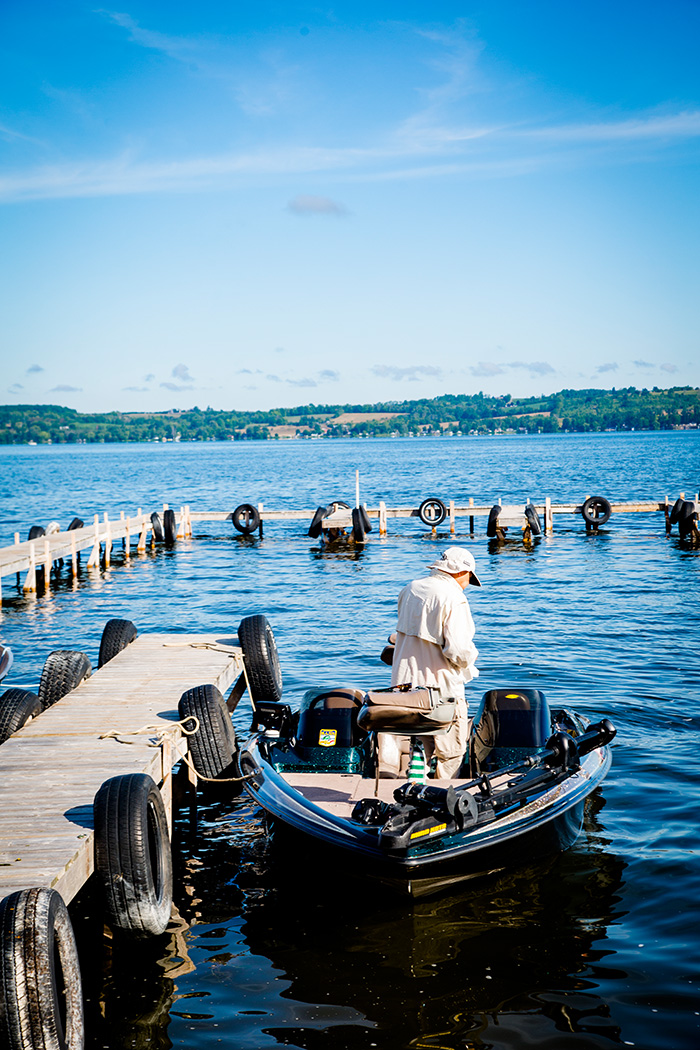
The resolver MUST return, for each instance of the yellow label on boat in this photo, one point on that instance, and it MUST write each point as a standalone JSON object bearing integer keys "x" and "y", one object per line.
{"x": 428, "y": 831}
{"x": 512, "y": 696}
{"x": 327, "y": 737}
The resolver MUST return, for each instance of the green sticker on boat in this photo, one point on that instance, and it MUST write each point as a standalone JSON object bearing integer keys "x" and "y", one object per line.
{"x": 327, "y": 737}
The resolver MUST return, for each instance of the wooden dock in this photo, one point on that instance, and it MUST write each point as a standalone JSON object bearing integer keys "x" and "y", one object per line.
{"x": 38, "y": 557}
{"x": 52, "y": 768}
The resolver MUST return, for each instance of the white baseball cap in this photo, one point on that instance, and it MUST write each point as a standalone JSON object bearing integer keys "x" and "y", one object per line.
{"x": 456, "y": 560}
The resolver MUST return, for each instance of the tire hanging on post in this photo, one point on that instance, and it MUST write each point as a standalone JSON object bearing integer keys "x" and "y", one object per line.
{"x": 246, "y": 518}
{"x": 596, "y": 510}
{"x": 42, "y": 999}
{"x": 432, "y": 512}
{"x": 316, "y": 526}
{"x": 133, "y": 860}
{"x": 212, "y": 747}
{"x": 358, "y": 531}
{"x": 533, "y": 520}
{"x": 492, "y": 524}
{"x": 157, "y": 527}
{"x": 169, "y": 527}
{"x": 262, "y": 663}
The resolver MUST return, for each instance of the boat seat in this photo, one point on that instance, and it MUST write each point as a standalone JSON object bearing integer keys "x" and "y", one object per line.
{"x": 412, "y": 712}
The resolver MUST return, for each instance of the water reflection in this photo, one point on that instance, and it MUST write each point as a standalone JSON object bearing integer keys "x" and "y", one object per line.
{"x": 327, "y": 959}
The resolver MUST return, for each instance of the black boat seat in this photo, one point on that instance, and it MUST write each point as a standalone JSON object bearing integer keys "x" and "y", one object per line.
{"x": 329, "y": 717}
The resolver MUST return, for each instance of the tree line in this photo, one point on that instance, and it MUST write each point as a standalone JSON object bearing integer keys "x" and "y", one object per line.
{"x": 563, "y": 412}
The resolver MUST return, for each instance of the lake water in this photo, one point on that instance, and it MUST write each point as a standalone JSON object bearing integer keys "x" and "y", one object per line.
{"x": 593, "y": 947}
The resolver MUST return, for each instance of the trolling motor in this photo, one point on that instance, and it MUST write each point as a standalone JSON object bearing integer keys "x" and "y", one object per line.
{"x": 423, "y": 811}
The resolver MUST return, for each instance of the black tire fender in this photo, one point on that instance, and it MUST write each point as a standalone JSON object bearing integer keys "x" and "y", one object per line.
{"x": 77, "y": 523}
{"x": 157, "y": 527}
{"x": 35, "y": 532}
{"x": 432, "y": 512}
{"x": 17, "y": 707}
{"x": 246, "y": 518}
{"x": 533, "y": 520}
{"x": 39, "y": 974}
{"x": 133, "y": 860}
{"x": 364, "y": 518}
{"x": 686, "y": 518}
{"x": 596, "y": 510}
{"x": 316, "y": 526}
{"x": 169, "y": 527}
{"x": 675, "y": 511}
{"x": 63, "y": 671}
{"x": 117, "y": 634}
{"x": 261, "y": 658}
{"x": 492, "y": 523}
{"x": 358, "y": 532}
{"x": 212, "y": 747}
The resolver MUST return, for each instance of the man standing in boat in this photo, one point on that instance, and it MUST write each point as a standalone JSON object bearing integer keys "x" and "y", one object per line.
{"x": 435, "y": 648}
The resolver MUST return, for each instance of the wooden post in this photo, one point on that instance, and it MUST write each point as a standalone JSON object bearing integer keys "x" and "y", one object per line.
{"x": 30, "y": 578}
{"x": 382, "y": 518}
{"x": 108, "y": 541}
{"x": 16, "y": 537}
{"x": 73, "y": 554}
{"x": 47, "y": 563}
{"x": 181, "y": 525}
{"x": 471, "y": 517}
{"x": 452, "y": 517}
{"x": 127, "y": 538}
{"x": 141, "y": 545}
{"x": 667, "y": 516}
{"x": 548, "y": 516}
{"x": 94, "y": 558}
{"x": 357, "y": 488}
{"x": 188, "y": 522}
{"x": 260, "y": 526}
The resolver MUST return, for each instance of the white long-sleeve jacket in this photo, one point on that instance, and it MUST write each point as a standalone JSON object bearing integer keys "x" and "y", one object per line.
{"x": 434, "y": 635}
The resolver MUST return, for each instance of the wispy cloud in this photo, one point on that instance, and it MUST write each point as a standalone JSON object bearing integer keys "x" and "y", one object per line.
{"x": 15, "y": 387}
{"x": 176, "y": 387}
{"x": 149, "y": 378}
{"x": 34, "y": 368}
{"x": 412, "y": 372}
{"x": 316, "y": 206}
{"x": 329, "y": 375}
{"x": 610, "y": 366}
{"x": 485, "y": 369}
{"x": 535, "y": 368}
{"x": 136, "y": 389}
{"x": 302, "y": 382}
{"x": 273, "y": 378}
{"x": 182, "y": 373}
{"x": 642, "y": 364}
{"x": 666, "y": 367}
{"x": 65, "y": 388}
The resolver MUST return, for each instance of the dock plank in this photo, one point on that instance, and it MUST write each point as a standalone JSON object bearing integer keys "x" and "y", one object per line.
{"x": 52, "y": 768}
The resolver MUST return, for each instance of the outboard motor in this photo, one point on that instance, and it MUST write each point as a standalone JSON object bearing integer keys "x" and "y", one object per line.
{"x": 511, "y": 724}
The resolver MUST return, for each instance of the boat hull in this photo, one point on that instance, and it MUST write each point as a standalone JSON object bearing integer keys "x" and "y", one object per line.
{"x": 550, "y": 822}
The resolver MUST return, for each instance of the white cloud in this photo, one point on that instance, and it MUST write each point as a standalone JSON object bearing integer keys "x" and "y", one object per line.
{"x": 412, "y": 372}
{"x": 316, "y": 206}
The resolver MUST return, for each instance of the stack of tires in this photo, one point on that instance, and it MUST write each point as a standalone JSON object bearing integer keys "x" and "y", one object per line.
{"x": 684, "y": 515}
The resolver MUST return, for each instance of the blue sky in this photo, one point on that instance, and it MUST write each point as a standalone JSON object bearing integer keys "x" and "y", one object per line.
{"x": 258, "y": 205}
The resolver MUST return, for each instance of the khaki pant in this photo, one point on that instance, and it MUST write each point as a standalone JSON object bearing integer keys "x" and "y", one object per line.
{"x": 449, "y": 748}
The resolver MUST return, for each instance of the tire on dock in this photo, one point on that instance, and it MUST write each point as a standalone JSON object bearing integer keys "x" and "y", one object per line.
{"x": 39, "y": 974}
{"x": 212, "y": 747}
{"x": 316, "y": 526}
{"x": 687, "y": 517}
{"x": 63, "y": 671}
{"x": 533, "y": 520}
{"x": 364, "y": 518}
{"x": 117, "y": 634}
{"x": 76, "y": 523}
{"x": 492, "y": 524}
{"x": 157, "y": 527}
{"x": 35, "y": 532}
{"x": 262, "y": 663}
{"x": 246, "y": 518}
{"x": 169, "y": 527}
{"x": 432, "y": 512}
{"x": 133, "y": 860}
{"x": 17, "y": 707}
{"x": 596, "y": 510}
{"x": 358, "y": 529}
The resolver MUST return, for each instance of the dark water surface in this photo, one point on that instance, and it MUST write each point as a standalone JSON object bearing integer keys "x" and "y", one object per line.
{"x": 596, "y": 946}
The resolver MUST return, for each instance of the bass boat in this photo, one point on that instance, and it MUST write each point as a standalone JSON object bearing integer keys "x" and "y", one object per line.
{"x": 521, "y": 790}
